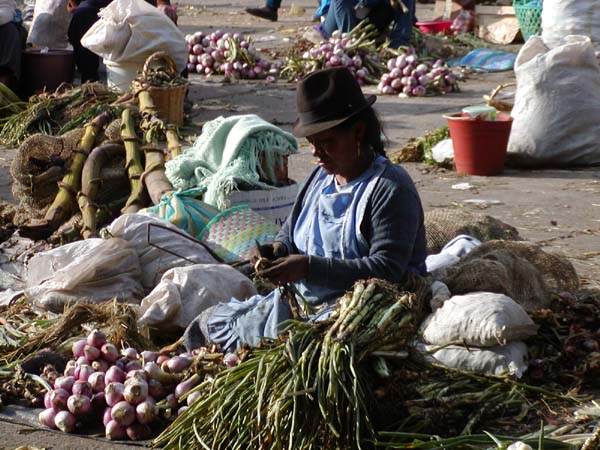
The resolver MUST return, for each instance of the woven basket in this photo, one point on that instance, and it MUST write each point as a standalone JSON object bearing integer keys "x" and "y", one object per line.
{"x": 529, "y": 17}
{"x": 168, "y": 100}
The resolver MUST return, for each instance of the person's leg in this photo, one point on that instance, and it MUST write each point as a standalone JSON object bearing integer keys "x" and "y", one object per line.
{"x": 339, "y": 17}
{"x": 12, "y": 43}
{"x": 381, "y": 16}
{"x": 269, "y": 11}
{"x": 403, "y": 24}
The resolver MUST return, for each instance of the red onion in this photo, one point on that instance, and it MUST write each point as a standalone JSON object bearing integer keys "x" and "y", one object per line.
{"x": 121, "y": 363}
{"x": 96, "y": 339}
{"x": 177, "y": 364}
{"x": 162, "y": 359}
{"x": 231, "y": 360}
{"x": 155, "y": 389}
{"x": 193, "y": 397}
{"x": 99, "y": 402}
{"x": 106, "y": 417}
{"x": 47, "y": 400}
{"x": 109, "y": 352}
{"x": 58, "y": 398}
{"x": 156, "y": 373}
{"x": 135, "y": 364}
{"x": 136, "y": 391}
{"x": 47, "y": 416}
{"x": 83, "y": 361}
{"x": 70, "y": 368}
{"x": 83, "y": 372}
{"x": 114, "y": 431}
{"x": 114, "y": 374}
{"x": 172, "y": 401}
{"x": 138, "y": 432}
{"x": 130, "y": 353}
{"x": 82, "y": 388}
{"x": 181, "y": 410}
{"x": 146, "y": 412}
{"x": 78, "y": 347}
{"x": 136, "y": 374}
{"x": 97, "y": 381}
{"x": 419, "y": 91}
{"x": 65, "y": 383}
{"x": 185, "y": 386}
{"x": 114, "y": 393}
{"x": 91, "y": 353}
{"x": 100, "y": 365}
{"x": 148, "y": 356}
{"x": 123, "y": 413}
{"x": 79, "y": 405}
{"x": 65, "y": 421}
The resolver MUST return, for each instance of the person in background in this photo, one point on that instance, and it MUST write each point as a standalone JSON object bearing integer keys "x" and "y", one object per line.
{"x": 269, "y": 11}
{"x": 358, "y": 216}
{"x": 170, "y": 11}
{"x": 12, "y": 44}
{"x": 343, "y": 15}
{"x": 85, "y": 14}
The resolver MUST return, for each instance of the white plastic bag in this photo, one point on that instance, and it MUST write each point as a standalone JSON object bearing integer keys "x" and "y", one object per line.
{"x": 131, "y": 30}
{"x": 167, "y": 248}
{"x": 7, "y": 11}
{"x": 50, "y": 24}
{"x": 480, "y": 319}
{"x": 557, "y": 105}
{"x": 561, "y": 18}
{"x": 93, "y": 270}
{"x": 184, "y": 292}
{"x": 508, "y": 359}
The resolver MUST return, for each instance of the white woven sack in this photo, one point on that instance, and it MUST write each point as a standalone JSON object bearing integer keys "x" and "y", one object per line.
{"x": 508, "y": 359}
{"x": 480, "y": 319}
{"x": 560, "y": 18}
{"x": 556, "y": 115}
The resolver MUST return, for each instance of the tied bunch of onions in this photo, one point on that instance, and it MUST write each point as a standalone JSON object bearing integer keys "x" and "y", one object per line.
{"x": 408, "y": 77}
{"x": 232, "y": 55}
{"x": 129, "y": 390}
{"x": 355, "y": 50}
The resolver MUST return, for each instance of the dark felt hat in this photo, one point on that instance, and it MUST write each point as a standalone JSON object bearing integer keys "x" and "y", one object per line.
{"x": 326, "y": 98}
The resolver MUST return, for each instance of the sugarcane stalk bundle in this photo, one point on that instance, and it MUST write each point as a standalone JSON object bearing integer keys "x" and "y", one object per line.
{"x": 310, "y": 389}
{"x": 64, "y": 203}
{"x": 153, "y": 128}
{"x": 91, "y": 181}
{"x": 133, "y": 164}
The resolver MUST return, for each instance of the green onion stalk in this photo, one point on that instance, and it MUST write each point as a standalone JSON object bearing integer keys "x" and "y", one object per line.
{"x": 308, "y": 389}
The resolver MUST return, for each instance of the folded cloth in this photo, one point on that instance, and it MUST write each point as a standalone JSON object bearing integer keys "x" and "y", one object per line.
{"x": 486, "y": 60}
{"x": 231, "y": 150}
{"x": 182, "y": 208}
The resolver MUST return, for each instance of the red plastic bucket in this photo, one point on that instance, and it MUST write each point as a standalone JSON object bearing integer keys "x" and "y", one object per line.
{"x": 479, "y": 145}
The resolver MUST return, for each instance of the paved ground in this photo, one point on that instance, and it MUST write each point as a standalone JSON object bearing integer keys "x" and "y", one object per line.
{"x": 558, "y": 208}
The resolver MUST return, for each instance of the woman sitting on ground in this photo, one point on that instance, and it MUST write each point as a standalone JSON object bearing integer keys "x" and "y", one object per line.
{"x": 358, "y": 216}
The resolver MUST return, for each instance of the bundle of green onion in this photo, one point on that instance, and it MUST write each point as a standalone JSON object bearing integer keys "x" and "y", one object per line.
{"x": 310, "y": 389}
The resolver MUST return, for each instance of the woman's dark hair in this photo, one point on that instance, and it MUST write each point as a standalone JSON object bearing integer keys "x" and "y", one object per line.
{"x": 374, "y": 135}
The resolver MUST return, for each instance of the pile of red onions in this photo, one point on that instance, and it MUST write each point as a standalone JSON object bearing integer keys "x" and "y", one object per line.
{"x": 409, "y": 77}
{"x": 232, "y": 55}
{"x": 340, "y": 50}
{"x": 127, "y": 389}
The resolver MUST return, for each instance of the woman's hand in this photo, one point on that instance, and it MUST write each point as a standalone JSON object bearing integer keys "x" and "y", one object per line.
{"x": 286, "y": 270}
{"x": 271, "y": 251}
